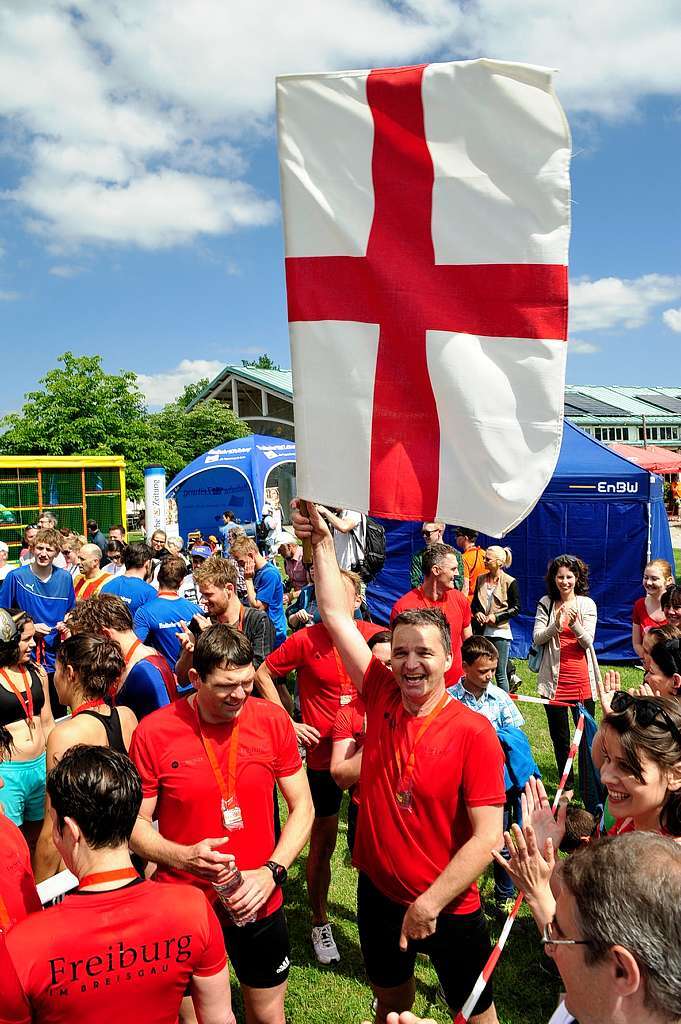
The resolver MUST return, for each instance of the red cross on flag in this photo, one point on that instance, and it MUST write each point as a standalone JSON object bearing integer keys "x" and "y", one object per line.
{"x": 427, "y": 221}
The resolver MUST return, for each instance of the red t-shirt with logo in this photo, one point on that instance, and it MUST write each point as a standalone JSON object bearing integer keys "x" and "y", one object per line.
{"x": 349, "y": 725}
{"x": 124, "y": 955}
{"x": 17, "y": 884}
{"x": 459, "y": 764}
{"x": 170, "y": 756}
{"x": 323, "y": 683}
{"x": 455, "y": 609}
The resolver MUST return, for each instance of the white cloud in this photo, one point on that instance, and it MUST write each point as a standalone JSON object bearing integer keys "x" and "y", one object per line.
{"x": 135, "y": 121}
{"x": 9, "y": 296}
{"x": 152, "y": 211}
{"x": 616, "y": 302}
{"x": 66, "y": 270}
{"x": 672, "y": 318}
{"x": 579, "y": 347}
{"x": 164, "y": 387}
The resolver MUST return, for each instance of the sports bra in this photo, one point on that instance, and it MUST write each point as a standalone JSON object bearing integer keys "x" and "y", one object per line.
{"x": 112, "y": 728}
{"x": 11, "y": 710}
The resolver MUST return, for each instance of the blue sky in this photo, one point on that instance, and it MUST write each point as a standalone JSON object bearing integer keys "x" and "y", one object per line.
{"x": 139, "y": 184}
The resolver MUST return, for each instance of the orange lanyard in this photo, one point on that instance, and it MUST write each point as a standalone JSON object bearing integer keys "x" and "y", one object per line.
{"x": 127, "y": 658}
{"x": 405, "y": 775}
{"x": 227, "y": 789}
{"x": 5, "y": 920}
{"x": 107, "y": 876}
{"x": 25, "y": 699}
{"x": 96, "y": 703}
{"x": 239, "y": 624}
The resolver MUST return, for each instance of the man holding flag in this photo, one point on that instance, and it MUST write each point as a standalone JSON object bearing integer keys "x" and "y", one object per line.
{"x": 425, "y": 833}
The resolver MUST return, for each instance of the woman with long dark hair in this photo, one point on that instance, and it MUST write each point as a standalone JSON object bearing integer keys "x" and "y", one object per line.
{"x": 564, "y": 629}
{"x": 26, "y": 714}
{"x": 87, "y": 672}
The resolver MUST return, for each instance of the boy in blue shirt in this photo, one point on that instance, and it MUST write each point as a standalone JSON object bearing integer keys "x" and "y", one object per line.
{"x": 44, "y": 592}
{"x": 476, "y": 690}
{"x": 132, "y": 586}
{"x": 264, "y": 586}
{"x": 159, "y": 621}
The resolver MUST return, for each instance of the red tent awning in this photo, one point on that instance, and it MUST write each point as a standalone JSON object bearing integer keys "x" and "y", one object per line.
{"x": 652, "y": 458}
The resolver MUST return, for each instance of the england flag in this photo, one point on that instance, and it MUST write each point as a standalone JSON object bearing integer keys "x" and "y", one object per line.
{"x": 427, "y": 222}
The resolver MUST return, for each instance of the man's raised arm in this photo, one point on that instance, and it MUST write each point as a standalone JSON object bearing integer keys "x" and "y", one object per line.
{"x": 330, "y": 593}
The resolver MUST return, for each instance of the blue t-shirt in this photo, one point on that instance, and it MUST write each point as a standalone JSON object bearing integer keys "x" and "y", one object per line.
{"x": 46, "y": 602}
{"x": 224, "y": 532}
{"x": 157, "y": 622}
{"x": 134, "y": 591}
{"x": 270, "y": 590}
{"x": 143, "y": 690}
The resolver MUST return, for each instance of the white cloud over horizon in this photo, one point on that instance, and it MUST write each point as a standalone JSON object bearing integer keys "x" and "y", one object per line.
{"x": 579, "y": 347}
{"x": 135, "y": 123}
{"x": 614, "y": 302}
{"x": 166, "y": 386}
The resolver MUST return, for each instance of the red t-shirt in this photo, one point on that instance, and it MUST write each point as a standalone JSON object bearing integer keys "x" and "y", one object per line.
{"x": 641, "y": 618}
{"x": 455, "y": 609}
{"x": 170, "y": 757}
{"x": 322, "y": 681}
{"x": 17, "y": 884}
{"x": 349, "y": 725}
{"x": 459, "y": 764}
{"x": 573, "y": 676}
{"x": 123, "y": 955}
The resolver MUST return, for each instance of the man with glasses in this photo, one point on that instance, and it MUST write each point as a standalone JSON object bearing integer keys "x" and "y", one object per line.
{"x": 189, "y": 588}
{"x": 433, "y": 533}
{"x": 615, "y": 934}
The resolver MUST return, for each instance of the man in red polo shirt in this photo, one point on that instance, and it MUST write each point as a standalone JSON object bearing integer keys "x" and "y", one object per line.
{"x": 432, "y": 801}
{"x": 119, "y": 948}
{"x": 438, "y": 590}
{"x": 323, "y": 687}
{"x": 208, "y": 764}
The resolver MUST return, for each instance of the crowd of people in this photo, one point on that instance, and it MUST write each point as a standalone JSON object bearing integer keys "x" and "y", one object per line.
{"x": 149, "y": 731}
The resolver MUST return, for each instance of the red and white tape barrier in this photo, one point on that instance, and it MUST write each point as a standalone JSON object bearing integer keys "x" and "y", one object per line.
{"x": 542, "y": 700}
{"x": 487, "y": 971}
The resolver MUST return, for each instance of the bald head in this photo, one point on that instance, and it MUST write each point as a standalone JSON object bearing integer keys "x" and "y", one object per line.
{"x": 89, "y": 558}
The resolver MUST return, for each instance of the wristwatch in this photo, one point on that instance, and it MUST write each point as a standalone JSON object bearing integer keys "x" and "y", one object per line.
{"x": 279, "y": 872}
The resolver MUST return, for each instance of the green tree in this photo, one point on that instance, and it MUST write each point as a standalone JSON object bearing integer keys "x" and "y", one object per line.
{"x": 81, "y": 410}
{"x": 191, "y": 391}
{"x": 181, "y": 436}
{"x": 263, "y": 362}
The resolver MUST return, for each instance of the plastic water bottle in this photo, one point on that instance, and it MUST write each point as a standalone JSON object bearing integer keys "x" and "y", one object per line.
{"x": 225, "y": 890}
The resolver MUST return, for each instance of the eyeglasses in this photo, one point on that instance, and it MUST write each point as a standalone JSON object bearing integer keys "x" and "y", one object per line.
{"x": 114, "y": 557}
{"x": 428, "y": 533}
{"x": 646, "y": 711}
{"x": 548, "y": 939}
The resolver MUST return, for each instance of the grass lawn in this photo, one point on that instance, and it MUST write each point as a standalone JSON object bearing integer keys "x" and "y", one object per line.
{"x": 525, "y": 993}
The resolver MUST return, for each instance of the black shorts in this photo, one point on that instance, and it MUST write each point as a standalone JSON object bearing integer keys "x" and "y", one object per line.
{"x": 326, "y": 795}
{"x": 260, "y": 952}
{"x": 458, "y": 949}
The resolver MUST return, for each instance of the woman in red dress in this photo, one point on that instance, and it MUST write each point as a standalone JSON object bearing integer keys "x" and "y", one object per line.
{"x": 648, "y": 612}
{"x": 564, "y": 627}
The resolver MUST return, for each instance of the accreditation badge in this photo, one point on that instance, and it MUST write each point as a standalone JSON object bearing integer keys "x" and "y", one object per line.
{"x": 231, "y": 814}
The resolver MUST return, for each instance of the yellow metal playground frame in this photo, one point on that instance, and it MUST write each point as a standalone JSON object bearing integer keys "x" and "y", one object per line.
{"x": 53, "y": 462}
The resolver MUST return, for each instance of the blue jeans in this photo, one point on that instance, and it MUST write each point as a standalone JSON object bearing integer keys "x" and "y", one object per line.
{"x": 503, "y": 886}
{"x": 503, "y": 647}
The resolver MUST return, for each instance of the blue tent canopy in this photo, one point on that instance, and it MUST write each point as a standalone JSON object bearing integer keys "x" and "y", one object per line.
{"x": 234, "y": 476}
{"x": 598, "y": 505}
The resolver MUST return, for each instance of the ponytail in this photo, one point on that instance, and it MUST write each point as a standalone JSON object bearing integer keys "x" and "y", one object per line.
{"x": 96, "y": 660}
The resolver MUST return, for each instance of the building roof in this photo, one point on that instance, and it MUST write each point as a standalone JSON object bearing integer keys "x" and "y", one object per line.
{"x": 280, "y": 381}
{"x": 624, "y": 401}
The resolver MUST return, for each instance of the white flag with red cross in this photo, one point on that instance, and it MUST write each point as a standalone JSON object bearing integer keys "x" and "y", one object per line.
{"x": 427, "y": 222}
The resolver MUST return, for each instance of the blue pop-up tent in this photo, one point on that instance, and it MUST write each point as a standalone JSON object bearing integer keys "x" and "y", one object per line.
{"x": 232, "y": 476}
{"x": 598, "y": 505}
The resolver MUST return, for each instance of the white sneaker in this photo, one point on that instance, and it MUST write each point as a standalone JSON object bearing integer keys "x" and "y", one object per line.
{"x": 325, "y": 949}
